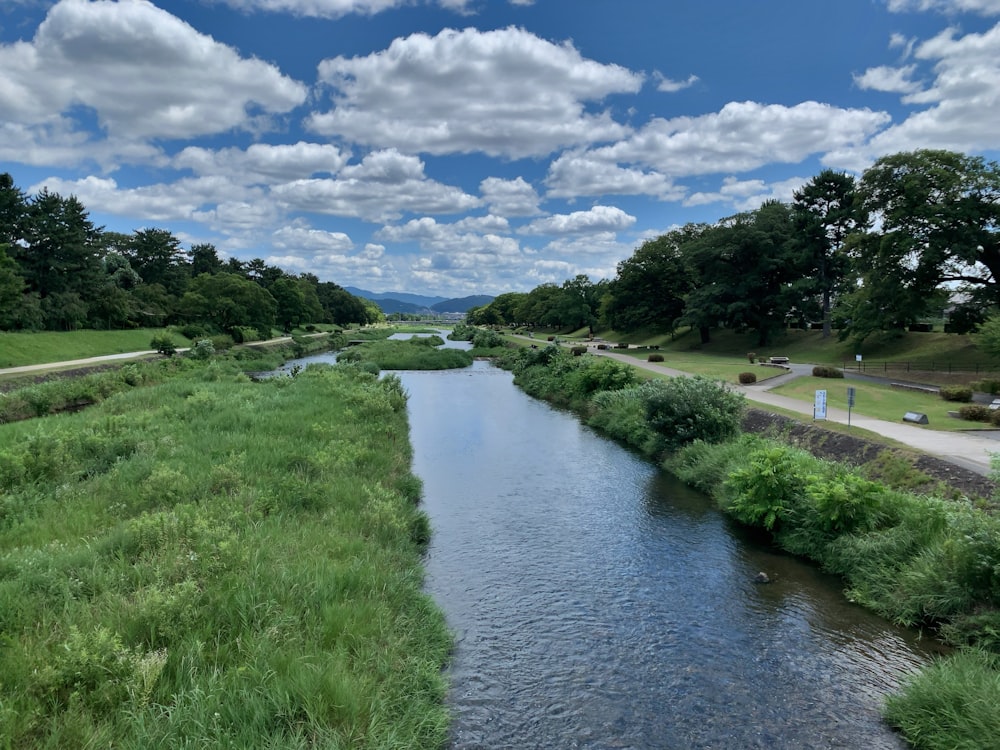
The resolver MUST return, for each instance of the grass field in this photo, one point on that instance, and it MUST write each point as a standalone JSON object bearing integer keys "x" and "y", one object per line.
{"x": 214, "y": 562}
{"x": 18, "y": 349}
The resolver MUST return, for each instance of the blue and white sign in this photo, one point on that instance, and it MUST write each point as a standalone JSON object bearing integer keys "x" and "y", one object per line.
{"x": 819, "y": 408}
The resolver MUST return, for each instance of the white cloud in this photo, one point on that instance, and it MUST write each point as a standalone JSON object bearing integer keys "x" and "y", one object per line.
{"x": 365, "y": 268}
{"x": 141, "y": 71}
{"x": 963, "y": 102}
{"x": 593, "y": 221}
{"x": 510, "y": 197}
{"x": 505, "y": 93}
{"x": 743, "y": 136}
{"x": 746, "y": 195}
{"x": 384, "y": 186}
{"x": 887, "y": 78}
{"x": 186, "y": 199}
{"x": 300, "y": 236}
{"x": 469, "y": 236}
{"x": 316, "y": 8}
{"x": 576, "y": 174}
{"x": 670, "y": 86}
{"x": 982, "y": 7}
{"x": 264, "y": 163}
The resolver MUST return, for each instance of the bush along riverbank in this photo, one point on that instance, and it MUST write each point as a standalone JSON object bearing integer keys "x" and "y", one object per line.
{"x": 917, "y": 560}
{"x": 215, "y": 562}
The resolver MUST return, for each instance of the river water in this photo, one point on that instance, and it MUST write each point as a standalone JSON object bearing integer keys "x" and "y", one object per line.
{"x": 599, "y": 603}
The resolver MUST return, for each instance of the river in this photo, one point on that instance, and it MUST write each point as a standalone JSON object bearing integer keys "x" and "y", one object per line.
{"x": 599, "y": 603}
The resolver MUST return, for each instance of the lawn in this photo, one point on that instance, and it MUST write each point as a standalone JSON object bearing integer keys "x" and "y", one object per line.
{"x": 880, "y": 401}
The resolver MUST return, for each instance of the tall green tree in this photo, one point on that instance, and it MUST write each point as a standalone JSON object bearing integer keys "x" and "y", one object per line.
{"x": 825, "y": 212}
{"x": 11, "y": 290}
{"x": 204, "y": 258}
{"x": 59, "y": 258}
{"x": 650, "y": 287}
{"x": 936, "y": 228}
{"x": 13, "y": 211}
{"x": 156, "y": 255}
{"x": 746, "y": 274}
{"x": 227, "y": 300}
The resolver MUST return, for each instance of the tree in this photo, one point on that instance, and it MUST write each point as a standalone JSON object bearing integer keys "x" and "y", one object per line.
{"x": 746, "y": 274}
{"x": 59, "y": 252}
{"x": 13, "y": 211}
{"x": 204, "y": 259}
{"x": 826, "y": 211}
{"x": 11, "y": 289}
{"x": 291, "y": 303}
{"x": 650, "y": 287}
{"x": 577, "y": 304}
{"x": 937, "y": 218}
{"x": 227, "y": 300}
{"x": 157, "y": 257}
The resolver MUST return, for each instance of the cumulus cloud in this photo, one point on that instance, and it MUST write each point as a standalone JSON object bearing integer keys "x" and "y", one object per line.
{"x": 298, "y": 235}
{"x": 591, "y": 222}
{"x": 510, "y": 197}
{"x": 743, "y": 136}
{"x": 576, "y": 174}
{"x": 746, "y": 195}
{"x": 963, "y": 102}
{"x": 140, "y": 71}
{"x": 670, "y": 86}
{"x": 264, "y": 163}
{"x": 889, "y": 79}
{"x": 981, "y": 7}
{"x": 186, "y": 199}
{"x": 505, "y": 93}
{"x": 384, "y": 186}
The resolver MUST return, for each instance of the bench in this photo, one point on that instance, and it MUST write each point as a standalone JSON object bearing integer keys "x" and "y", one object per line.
{"x": 778, "y": 360}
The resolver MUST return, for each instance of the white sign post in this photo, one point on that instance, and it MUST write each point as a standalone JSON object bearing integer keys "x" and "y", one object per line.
{"x": 819, "y": 406}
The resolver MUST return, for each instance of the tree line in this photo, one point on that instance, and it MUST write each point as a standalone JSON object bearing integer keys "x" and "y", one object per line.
{"x": 58, "y": 271}
{"x": 916, "y": 236}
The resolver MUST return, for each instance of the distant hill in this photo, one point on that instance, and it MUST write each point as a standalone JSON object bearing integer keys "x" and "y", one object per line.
{"x": 418, "y": 300}
{"x": 404, "y": 302}
{"x": 462, "y": 304}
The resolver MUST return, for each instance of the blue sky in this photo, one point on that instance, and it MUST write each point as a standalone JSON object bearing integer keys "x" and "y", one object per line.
{"x": 457, "y": 147}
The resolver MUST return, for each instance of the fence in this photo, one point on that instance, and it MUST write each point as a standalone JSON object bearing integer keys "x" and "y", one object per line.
{"x": 876, "y": 368}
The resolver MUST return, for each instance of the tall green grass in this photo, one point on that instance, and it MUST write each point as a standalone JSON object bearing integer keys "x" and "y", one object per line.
{"x": 417, "y": 353}
{"x": 213, "y": 562}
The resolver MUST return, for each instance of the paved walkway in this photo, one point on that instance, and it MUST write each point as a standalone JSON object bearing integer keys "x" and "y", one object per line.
{"x": 965, "y": 449}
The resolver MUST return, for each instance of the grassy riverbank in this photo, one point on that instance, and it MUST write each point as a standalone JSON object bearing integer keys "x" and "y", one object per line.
{"x": 916, "y": 560}
{"x": 213, "y": 562}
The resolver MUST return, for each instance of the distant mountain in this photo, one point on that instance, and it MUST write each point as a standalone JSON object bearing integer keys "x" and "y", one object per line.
{"x": 404, "y": 302}
{"x": 418, "y": 300}
{"x": 462, "y": 304}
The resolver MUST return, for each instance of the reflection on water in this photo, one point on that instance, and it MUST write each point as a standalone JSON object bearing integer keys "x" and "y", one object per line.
{"x": 598, "y": 603}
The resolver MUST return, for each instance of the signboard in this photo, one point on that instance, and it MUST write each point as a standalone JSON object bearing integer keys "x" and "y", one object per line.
{"x": 819, "y": 407}
{"x": 850, "y": 396}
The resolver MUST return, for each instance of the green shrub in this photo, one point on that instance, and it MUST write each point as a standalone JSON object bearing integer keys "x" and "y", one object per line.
{"x": 487, "y": 339}
{"x": 746, "y": 378}
{"x": 987, "y": 385}
{"x": 960, "y": 393}
{"x": 694, "y": 408}
{"x": 994, "y": 417}
{"x": 953, "y": 703}
{"x": 202, "y": 349}
{"x": 822, "y": 371}
{"x": 578, "y": 351}
{"x": 763, "y": 491}
{"x": 164, "y": 344}
{"x": 654, "y": 358}
{"x": 192, "y": 331}
{"x": 974, "y": 413}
